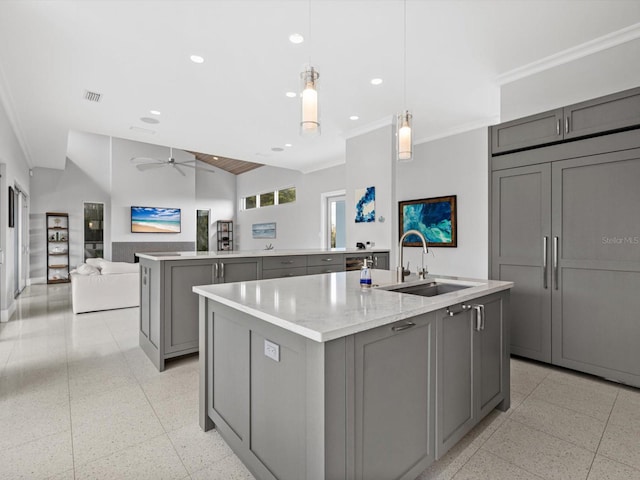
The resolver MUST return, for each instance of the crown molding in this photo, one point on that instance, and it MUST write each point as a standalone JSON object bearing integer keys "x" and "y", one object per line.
{"x": 596, "y": 45}
{"x": 467, "y": 127}
{"x": 369, "y": 127}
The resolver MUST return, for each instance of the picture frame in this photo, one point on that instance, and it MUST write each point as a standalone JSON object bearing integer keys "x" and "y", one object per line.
{"x": 155, "y": 220}
{"x": 263, "y": 230}
{"x": 12, "y": 210}
{"x": 435, "y": 218}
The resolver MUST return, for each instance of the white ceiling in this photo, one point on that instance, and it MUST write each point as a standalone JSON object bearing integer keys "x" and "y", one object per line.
{"x": 136, "y": 53}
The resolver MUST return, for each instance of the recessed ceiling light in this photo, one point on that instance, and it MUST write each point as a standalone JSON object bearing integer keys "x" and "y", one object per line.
{"x": 277, "y": 149}
{"x": 354, "y": 117}
{"x": 215, "y": 158}
{"x": 197, "y": 59}
{"x": 291, "y": 94}
{"x": 288, "y": 145}
{"x": 149, "y": 120}
{"x": 154, "y": 112}
{"x": 296, "y": 38}
{"x": 376, "y": 81}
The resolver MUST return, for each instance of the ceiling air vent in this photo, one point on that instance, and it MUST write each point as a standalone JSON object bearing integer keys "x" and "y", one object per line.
{"x": 92, "y": 96}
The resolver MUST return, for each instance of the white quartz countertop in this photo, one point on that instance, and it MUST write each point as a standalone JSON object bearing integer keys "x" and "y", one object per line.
{"x": 329, "y": 306}
{"x": 191, "y": 255}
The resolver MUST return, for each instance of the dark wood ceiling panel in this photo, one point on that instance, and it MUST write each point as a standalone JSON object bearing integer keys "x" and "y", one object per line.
{"x": 230, "y": 165}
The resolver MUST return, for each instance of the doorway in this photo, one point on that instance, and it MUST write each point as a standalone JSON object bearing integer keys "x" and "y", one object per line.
{"x": 335, "y": 223}
{"x": 93, "y": 230}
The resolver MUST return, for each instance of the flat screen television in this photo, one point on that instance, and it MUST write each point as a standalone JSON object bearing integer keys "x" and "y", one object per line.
{"x": 155, "y": 220}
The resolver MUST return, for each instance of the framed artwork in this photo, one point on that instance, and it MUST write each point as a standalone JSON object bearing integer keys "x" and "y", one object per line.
{"x": 434, "y": 217}
{"x": 365, "y": 205}
{"x": 12, "y": 210}
{"x": 263, "y": 230}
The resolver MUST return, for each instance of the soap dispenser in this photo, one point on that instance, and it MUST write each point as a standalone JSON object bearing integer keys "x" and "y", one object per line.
{"x": 365, "y": 274}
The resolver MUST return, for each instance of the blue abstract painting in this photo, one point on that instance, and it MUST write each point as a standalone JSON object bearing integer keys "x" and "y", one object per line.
{"x": 365, "y": 205}
{"x": 435, "y": 218}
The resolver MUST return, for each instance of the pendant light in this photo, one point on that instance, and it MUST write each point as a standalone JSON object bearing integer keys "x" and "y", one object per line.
{"x": 404, "y": 123}
{"x": 309, "y": 112}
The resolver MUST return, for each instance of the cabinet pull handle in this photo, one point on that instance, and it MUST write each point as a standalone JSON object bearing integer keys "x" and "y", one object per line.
{"x": 453, "y": 314}
{"x": 555, "y": 262}
{"x": 479, "y": 309}
{"x": 566, "y": 125}
{"x": 545, "y": 240}
{"x": 287, "y": 262}
{"x": 558, "y": 127}
{"x": 327, "y": 259}
{"x": 222, "y": 270}
{"x": 215, "y": 271}
{"x": 375, "y": 261}
{"x": 405, "y": 326}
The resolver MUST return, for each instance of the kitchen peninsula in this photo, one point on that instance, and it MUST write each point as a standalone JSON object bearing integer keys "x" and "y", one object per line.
{"x": 169, "y": 309}
{"x": 317, "y": 378}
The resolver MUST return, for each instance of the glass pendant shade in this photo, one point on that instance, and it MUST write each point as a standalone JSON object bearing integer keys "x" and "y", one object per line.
{"x": 403, "y": 136}
{"x": 310, "y": 118}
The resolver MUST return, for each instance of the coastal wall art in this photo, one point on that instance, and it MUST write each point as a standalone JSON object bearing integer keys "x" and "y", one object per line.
{"x": 365, "y": 205}
{"x": 155, "y": 220}
{"x": 434, "y": 217}
{"x": 263, "y": 230}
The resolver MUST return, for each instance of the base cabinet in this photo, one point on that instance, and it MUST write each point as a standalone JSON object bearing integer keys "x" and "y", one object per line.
{"x": 395, "y": 399}
{"x": 472, "y": 366}
{"x": 381, "y": 404}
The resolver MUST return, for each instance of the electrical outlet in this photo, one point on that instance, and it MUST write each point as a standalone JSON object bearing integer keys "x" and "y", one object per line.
{"x": 272, "y": 350}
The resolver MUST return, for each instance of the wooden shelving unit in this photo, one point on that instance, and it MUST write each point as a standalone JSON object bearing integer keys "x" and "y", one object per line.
{"x": 225, "y": 235}
{"x": 57, "y": 247}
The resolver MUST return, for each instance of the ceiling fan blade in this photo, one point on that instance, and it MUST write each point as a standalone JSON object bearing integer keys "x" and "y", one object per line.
{"x": 175, "y": 165}
{"x": 149, "y": 166}
{"x": 145, "y": 159}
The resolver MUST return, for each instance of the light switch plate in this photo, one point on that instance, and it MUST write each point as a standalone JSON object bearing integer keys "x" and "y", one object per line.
{"x": 272, "y": 350}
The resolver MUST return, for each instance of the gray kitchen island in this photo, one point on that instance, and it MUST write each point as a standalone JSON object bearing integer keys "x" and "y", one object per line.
{"x": 316, "y": 378}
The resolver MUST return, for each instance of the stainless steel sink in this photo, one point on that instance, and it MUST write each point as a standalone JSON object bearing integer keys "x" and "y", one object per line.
{"x": 429, "y": 289}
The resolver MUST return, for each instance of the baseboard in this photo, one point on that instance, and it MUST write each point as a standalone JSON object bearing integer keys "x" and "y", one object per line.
{"x": 36, "y": 280}
{"x": 5, "y": 315}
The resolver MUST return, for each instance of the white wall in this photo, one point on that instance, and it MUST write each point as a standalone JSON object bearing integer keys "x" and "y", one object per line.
{"x": 455, "y": 165}
{"x": 598, "y": 74}
{"x": 62, "y": 191}
{"x": 216, "y": 192}
{"x": 14, "y": 169}
{"x": 370, "y": 163}
{"x": 298, "y": 224}
{"x": 158, "y": 187}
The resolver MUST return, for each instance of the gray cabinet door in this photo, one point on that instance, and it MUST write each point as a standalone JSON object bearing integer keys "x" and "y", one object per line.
{"x": 520, "y": 229}
{"x": 381, "y": 261}
{"x": 527, "y": 132}
{"x": 181, "y": 304}
{"x": 597, "y": 281}
{"x": 394, "y": 399}
{"x": 491, "y": 359}
{"x": 145, "y": 300}
{"x": 239, "y": 270}
{"x": 455, "y": 392}
{"x": 612, "y": 112}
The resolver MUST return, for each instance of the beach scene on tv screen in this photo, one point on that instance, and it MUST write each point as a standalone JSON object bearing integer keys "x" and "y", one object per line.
{"x": 155, "y": 220}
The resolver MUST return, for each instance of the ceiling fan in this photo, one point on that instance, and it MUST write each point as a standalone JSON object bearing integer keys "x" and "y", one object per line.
{"x": 148, "y": 163}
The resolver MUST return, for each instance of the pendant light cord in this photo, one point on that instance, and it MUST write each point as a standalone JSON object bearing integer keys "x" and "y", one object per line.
{"x": 404, "y": 57}
{"x": 309, "y": 32}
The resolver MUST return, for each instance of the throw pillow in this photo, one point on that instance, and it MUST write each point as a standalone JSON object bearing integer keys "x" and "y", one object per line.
{"x": 86, "y": 269}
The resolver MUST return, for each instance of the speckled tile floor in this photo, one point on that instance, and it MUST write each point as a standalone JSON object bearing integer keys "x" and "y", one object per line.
{"x": 80, "y": 400}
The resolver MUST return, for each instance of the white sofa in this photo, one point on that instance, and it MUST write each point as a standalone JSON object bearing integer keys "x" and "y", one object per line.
{"x": 103, "y": 285}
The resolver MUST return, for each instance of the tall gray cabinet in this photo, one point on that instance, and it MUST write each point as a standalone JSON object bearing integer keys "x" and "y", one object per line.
{"x": 565, "y": 230}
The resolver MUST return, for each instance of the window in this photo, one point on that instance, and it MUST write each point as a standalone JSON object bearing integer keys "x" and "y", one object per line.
{"x": 250, "y": 202}
{"x": 287, "y": 195}
{"x": 267, "y": 199}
